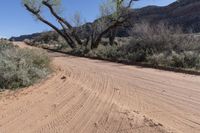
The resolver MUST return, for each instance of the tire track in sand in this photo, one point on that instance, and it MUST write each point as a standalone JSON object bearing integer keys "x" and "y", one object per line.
{"x": 102, "y": 97}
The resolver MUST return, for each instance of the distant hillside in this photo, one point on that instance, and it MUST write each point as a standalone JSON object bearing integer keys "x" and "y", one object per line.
{"x": 22, "y": 37}
{"x": 185, "y": 13}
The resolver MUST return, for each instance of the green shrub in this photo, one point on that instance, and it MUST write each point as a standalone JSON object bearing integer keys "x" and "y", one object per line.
{"x": 158, "y": 59}
{"x": 177, "y": 60}
{"x": 21, "y": 67}
{"x": 191, "y": 59}
{"x": 109, "y": 52}
{"x": 80, "y": 51}
{"x": 188, "y": 60}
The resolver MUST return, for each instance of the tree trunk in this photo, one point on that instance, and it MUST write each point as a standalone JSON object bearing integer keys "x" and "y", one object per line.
{"x": 112, "y": 37}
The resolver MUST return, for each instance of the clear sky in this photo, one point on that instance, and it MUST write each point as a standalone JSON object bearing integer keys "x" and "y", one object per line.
{"x": 15, "y": 20}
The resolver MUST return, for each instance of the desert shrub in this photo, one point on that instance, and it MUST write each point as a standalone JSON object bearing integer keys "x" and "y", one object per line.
{"x": 188, "y": 60}
{"x": 22, "y": 67}
{"x": 138, "y": 56}
{"x": 80, "y": 51}
{"x": 177, "y": 60}
{"x": 5, "y": 45}
{"x": 163, "y": 37}
{"x": 46, "y": 37}
{"x": 136, "y": 52}
{"x": 119, "y": 53}
{"x": 191, "y": 59}
{"x": 162, "y": 45}
{"x": 159, "y": 59}
{"x": 109, "y": 52}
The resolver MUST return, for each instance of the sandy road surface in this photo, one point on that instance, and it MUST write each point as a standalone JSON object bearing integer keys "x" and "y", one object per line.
{"x": 91, "y": 96}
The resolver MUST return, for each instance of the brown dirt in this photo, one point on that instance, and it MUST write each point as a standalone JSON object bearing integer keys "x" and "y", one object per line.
{"x": 91, "y": 96}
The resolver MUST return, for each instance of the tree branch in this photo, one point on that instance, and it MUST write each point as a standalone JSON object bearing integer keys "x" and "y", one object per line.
{"x": 36, "y": 13}
{"x": 65, "y": 31}
{"x": 62, "y": 20}
{"x": 123, "y": 17}
{"x": 110, "y": 27}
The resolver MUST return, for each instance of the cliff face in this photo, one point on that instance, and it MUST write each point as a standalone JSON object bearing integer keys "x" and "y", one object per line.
{"x": 184, "y": 13}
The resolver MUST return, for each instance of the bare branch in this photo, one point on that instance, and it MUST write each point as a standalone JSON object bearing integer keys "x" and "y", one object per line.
{"x": 45, "y": 2}
{"x": 114, "y": 15}
{"x": 36, "y": 13}
{"x": 70, "y": 40}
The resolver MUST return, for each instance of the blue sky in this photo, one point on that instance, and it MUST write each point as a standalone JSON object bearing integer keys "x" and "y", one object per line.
{"x": 15, "y": 20}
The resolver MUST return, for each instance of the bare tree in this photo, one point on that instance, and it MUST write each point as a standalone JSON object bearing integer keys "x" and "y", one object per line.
{"x": 77, "y": 19}
{"x": 112, "y": 17}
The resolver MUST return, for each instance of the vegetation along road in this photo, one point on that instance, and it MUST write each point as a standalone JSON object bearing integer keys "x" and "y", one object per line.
{"x": 92, "y": 96}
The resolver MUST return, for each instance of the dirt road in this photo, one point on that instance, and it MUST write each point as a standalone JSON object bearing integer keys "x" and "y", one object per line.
{"x": 91, "y": 96}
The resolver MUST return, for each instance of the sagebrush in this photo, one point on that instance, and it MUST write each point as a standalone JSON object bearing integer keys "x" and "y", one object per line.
{"x": 21, "y": 67}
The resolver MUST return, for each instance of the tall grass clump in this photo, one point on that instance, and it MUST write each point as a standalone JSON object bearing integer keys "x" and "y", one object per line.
{"x": 21, "y": 67}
